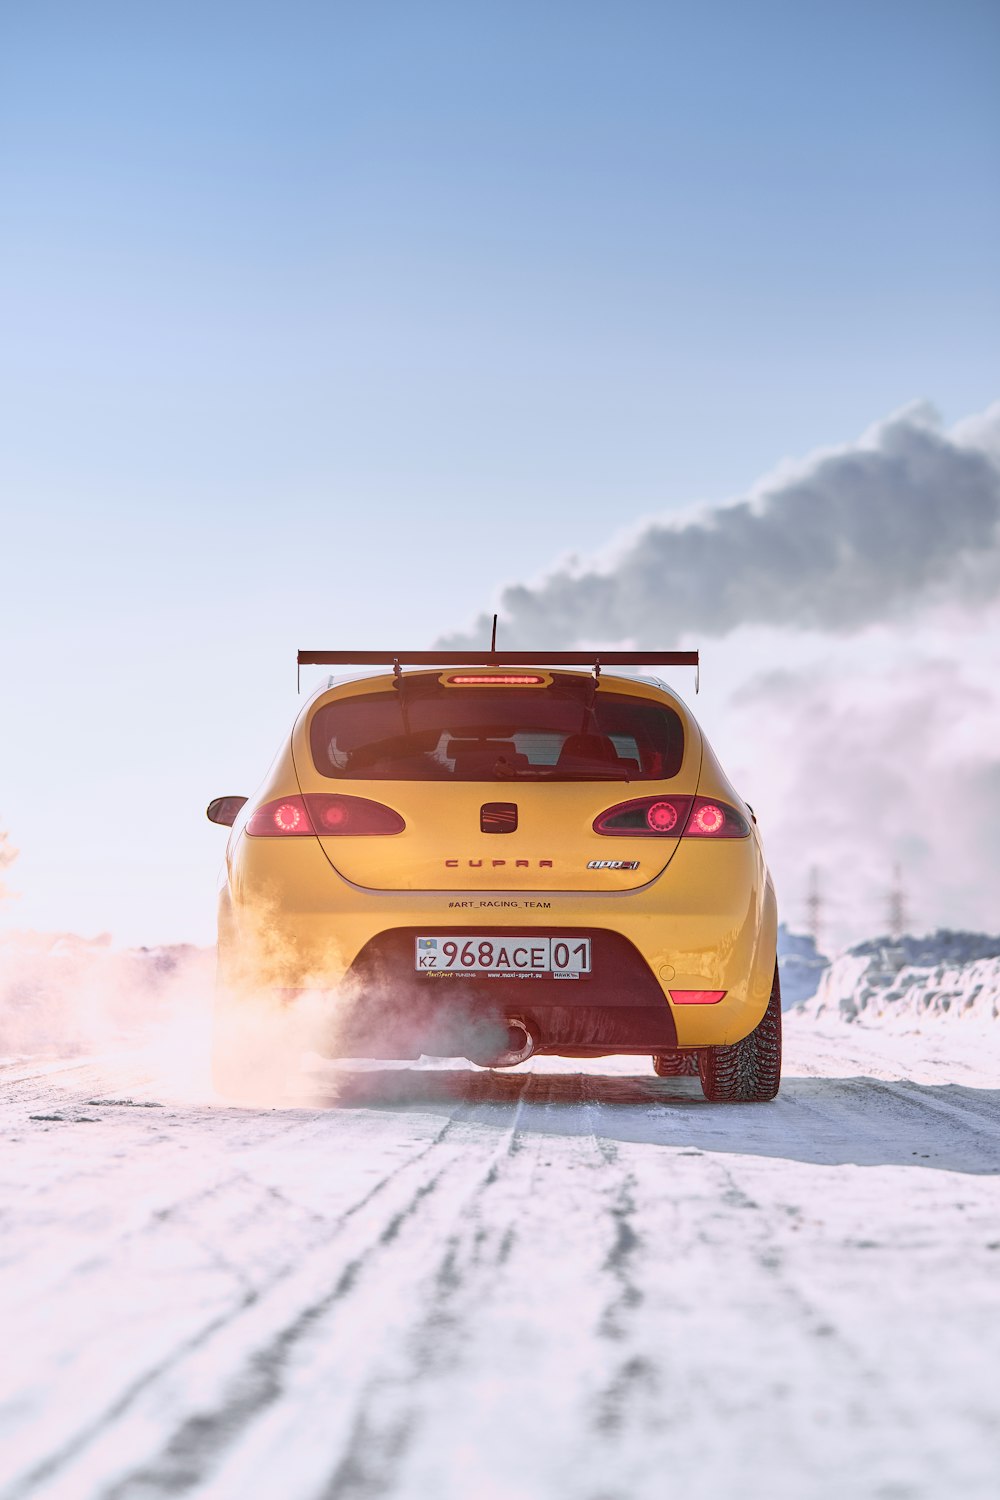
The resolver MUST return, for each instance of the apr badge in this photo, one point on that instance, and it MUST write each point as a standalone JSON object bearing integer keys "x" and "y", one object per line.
{"x": 613, "y": 864}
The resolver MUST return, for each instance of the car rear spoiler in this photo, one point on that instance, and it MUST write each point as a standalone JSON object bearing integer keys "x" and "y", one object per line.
{"x": 593, "y": 659}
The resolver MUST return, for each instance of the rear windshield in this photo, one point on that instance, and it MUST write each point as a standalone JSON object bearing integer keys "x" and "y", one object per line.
{"x": 426, "y": 732}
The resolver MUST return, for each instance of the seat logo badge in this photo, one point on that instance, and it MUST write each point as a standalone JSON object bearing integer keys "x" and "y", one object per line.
{"x": 498, "y": 817}
{"x": 612, "y": 864}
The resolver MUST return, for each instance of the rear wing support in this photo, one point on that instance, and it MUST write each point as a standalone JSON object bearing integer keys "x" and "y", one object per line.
{"x": 597, "y": 662}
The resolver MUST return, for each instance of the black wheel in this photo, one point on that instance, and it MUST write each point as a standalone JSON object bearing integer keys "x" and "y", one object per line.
{"x": 675, "y": 1064}
{"x": 747, "y": 1072}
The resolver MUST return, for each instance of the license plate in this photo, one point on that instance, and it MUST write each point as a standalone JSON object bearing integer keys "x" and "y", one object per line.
{"x": 558, "y": 956}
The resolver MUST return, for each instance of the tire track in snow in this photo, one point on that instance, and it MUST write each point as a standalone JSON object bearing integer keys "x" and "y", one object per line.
{"x": 111, "y": 1422}
{"x": 658, "y": 1384}
{"x": 429, "y": 1299}
{"x": 633, "y": 1370}
{"x": 151, "y": 1209}
{"x": 860, "y": 1121}
{"x": 776, "y": 1294}
{"x": 979, "y": 1117}
{"x": 465, "y": 1270}
{"x": 579, "y": 1285}
{"x": 257, "y": 1345}
{"x": 462, "y": 1326}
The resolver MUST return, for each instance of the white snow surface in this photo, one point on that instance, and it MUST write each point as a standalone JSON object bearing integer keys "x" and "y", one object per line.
{"x": 570, "y": 1281}
{"x": 881, "y": 987}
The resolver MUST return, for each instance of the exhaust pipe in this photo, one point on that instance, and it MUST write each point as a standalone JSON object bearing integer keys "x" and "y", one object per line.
{"x": 521, "y": 1043}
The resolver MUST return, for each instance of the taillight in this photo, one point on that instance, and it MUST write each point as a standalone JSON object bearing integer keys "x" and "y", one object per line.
{"x": 288, "y": 815}
{"x": 334, "y": 814}
{"x": 324, "y": 813}
{"x": 662, "y": 817}
{"x": 646, "y": 817}
{"x": 710, "y": 819}
{"x": 673, "y": 817}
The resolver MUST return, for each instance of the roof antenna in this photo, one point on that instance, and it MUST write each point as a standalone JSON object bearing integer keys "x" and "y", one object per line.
{"x": 397, "y": 682}
{"x": 588, "y": 707}
{"x": 493, "y": 638}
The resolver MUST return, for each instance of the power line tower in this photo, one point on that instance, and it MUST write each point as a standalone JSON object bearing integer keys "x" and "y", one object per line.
{"x": 814, "y": 908}
{"x": 896, "y": 905}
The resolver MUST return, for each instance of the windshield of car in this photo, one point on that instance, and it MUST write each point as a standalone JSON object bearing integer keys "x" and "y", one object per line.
{"x": 424, "y": 731}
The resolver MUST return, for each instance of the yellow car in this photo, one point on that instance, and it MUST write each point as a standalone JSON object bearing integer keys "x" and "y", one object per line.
{"x": 495, "y": 856}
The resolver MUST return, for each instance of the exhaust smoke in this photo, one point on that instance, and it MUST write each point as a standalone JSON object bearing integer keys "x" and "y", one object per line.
{"x": 873, "y": 531}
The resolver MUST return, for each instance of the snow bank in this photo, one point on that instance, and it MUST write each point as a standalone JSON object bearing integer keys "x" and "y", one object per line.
{"x": 953, "y": 974}
{"x": 801, "y": 965}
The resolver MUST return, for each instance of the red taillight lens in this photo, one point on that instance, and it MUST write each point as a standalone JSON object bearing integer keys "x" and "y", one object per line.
{"x": 352, "y": 816}
{"x": 697, "y": 997}
{"x": 645, "y": 817}
{"x": 289, "y": 815}
{"x": 673, "y": 817}
{"x": 710, "y": 819}
{"x": 662, "y": 817}
{"x": 326, "y": 814}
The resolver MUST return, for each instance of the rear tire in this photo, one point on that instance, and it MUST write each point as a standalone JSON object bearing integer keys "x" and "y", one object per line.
{"x": 747, "y": 1072}
{"x": 675, "y": 1064}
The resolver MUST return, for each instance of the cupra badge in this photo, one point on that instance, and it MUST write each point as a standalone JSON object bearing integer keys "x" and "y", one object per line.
{"x": 519, "y": 864}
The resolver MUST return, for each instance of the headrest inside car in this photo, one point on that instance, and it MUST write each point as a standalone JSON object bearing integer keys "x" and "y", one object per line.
{"x": 456, "y": 748}
{"x": 588, "y": 747}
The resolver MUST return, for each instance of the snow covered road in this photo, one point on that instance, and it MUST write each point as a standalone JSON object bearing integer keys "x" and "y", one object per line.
{"x": 572, "y": 1281}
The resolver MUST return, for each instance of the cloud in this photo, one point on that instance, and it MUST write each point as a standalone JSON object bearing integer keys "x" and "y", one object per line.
{"x": 981, "y": 431}
{"x": 848, "y": 614}
{"x": 907, "y": 516}
{"x": 870, "y": 757}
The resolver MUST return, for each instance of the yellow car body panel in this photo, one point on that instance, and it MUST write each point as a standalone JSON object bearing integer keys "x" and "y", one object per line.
{"x": 298, "y": 912}
{"x": 555, "y": 825}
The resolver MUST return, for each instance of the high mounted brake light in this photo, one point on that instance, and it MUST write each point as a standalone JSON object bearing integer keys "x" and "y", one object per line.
{"x": 495, "y": 679}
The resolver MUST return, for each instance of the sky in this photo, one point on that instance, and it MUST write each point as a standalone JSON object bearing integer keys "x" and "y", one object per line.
{"x": 331, "y": 325}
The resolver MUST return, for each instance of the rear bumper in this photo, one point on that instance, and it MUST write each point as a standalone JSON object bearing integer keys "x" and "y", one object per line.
{"x": 454, "y": 1021}
{"x": 618, "y": 1007}
{"x": 707, "y": 923}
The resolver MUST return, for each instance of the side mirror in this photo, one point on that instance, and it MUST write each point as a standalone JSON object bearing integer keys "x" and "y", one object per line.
{"x": 224, "y": 810}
